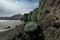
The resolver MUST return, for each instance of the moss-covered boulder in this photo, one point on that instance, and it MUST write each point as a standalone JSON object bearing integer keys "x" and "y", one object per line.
{"x": 31, "y": 26}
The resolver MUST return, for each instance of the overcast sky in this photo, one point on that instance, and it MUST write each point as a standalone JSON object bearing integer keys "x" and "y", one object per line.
{"x": 12, "y": 7}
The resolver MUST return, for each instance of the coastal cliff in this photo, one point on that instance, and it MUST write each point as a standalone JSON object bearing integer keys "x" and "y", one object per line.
{"x": 47, "y": 16}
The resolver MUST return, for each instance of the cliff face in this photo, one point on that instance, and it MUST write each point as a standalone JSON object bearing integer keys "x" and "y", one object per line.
{"x": 49, "y": 19}
{"x": 52, "y": 7}
{"x": 49, "y": 10}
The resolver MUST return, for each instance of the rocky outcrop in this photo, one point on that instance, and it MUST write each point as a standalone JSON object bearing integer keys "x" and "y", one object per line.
{"x": 49, "y": 19}
{"x": 52, "y": 33}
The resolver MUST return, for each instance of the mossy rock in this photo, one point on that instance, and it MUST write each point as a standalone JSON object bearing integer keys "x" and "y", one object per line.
{"x": 31, "y": 26}
{"x": 34, "y": 17}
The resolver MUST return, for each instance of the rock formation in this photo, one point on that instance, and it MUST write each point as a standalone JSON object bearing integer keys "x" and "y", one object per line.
{"x": 47, "y": 17}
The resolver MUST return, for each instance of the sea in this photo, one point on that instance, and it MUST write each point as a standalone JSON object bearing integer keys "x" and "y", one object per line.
{"x": 7, "y": 23}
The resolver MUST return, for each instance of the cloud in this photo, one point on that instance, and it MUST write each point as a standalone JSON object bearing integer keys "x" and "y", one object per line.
{"x": 12, "y": 7}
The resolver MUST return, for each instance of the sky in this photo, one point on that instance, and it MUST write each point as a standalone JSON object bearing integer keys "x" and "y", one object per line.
{"x": 12, "y": 7}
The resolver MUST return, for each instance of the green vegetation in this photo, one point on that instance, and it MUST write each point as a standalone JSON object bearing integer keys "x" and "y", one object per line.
{"x": 33, "y": 16}
{"x": 31, "y": 26}
{"x": 29, "y": 16}
{"x": 46, "y": 19}
{"x": 25, "y": 18}
{"x": 41, "y": 5}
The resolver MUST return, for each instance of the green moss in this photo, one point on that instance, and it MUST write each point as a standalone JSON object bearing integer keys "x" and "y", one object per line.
{"x": 31, "y": 26}
{"x": 34, "y": 17}
{"x": 42, "y": 3}
{"x": 29, "y": 16}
